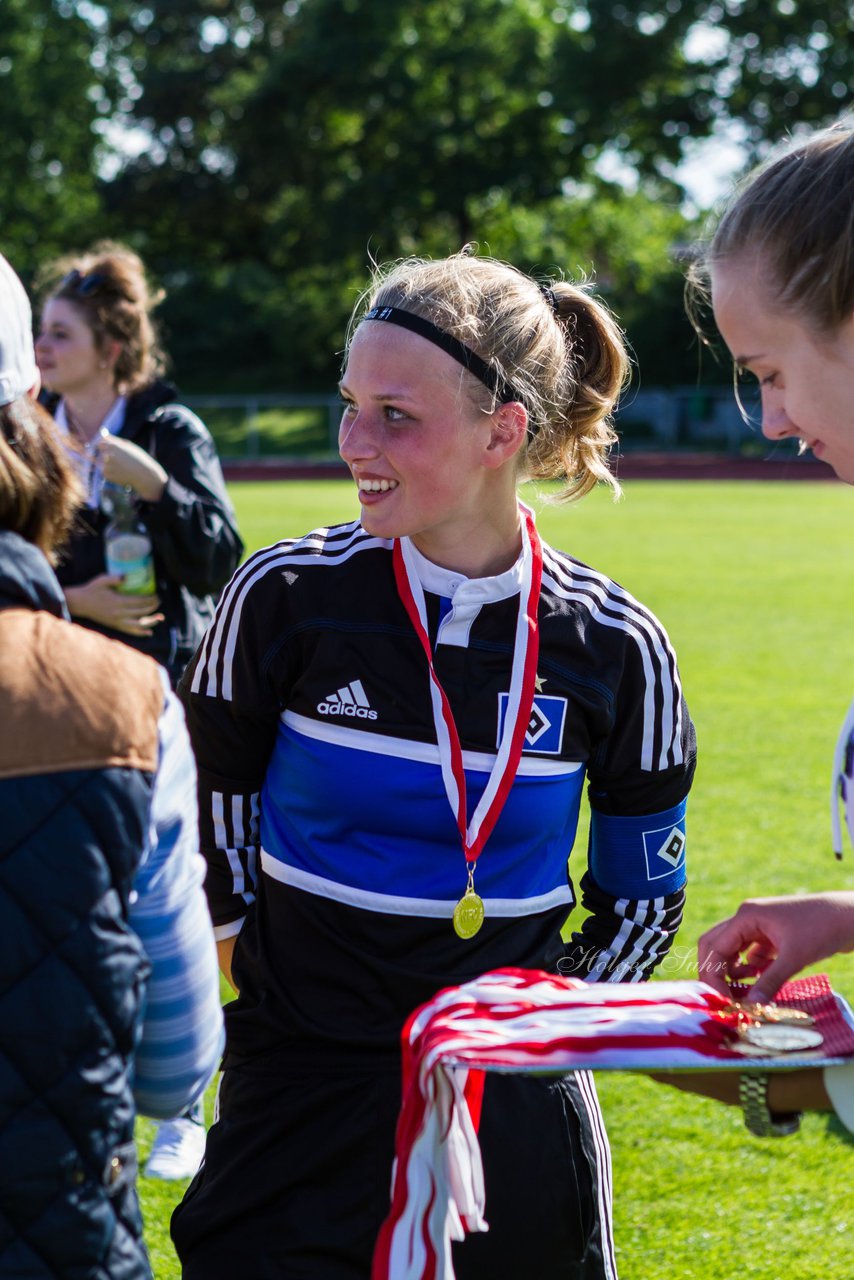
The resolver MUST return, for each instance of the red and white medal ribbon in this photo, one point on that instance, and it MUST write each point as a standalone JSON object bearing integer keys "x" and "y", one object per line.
{"x": 522, "y": 1021}
{"x": 475, "y": 834}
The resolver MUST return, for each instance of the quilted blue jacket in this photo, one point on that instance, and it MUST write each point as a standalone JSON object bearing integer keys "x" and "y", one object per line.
{"x": 78, "y": 754}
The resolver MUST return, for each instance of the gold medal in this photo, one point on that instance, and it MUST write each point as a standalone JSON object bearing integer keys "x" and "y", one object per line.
{"x": 469, "y": 911}
{"x": 776, "y": 1013}
{"x": 468, "y": 914}
{"x": 769, "y": 1029}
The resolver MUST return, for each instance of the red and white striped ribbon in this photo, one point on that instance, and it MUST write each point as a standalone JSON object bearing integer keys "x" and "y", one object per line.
{"x": 517, "y": 1020}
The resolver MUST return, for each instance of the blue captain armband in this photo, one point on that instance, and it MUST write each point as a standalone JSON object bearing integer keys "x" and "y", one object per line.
{"x": 639, "y": 857}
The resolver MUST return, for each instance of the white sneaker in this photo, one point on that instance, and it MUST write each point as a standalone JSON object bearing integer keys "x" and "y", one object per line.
{"x": 179, "y": 1146}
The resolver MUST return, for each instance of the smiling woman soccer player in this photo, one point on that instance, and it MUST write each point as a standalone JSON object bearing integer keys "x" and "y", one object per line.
{"x": 393, "y": 721}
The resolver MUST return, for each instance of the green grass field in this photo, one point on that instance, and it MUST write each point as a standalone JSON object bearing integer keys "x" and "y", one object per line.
{"x": 753, "y": 582}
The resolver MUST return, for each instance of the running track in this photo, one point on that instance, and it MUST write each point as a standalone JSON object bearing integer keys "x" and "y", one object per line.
{"x": 632, "y": 466}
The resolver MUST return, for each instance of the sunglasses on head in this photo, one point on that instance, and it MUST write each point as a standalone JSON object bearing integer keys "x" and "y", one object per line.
{"x": 82, "y": 285}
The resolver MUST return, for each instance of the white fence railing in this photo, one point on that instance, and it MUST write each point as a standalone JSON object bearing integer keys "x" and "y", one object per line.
{"x": 253, "y": 405}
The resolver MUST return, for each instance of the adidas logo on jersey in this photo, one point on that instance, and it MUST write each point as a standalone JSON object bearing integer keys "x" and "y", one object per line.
{"x": 349, "y": 701}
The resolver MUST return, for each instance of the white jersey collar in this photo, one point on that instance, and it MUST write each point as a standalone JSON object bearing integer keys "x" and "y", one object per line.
{"x": 461, "y": 590}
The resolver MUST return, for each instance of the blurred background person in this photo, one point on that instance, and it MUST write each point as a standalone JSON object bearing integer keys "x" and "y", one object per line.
{"x": 109, "y": 984}
{"x": 157, "y": 537}
{"x": 145, "y": 459}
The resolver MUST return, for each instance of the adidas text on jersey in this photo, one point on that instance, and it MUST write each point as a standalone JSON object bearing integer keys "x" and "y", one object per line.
{"x": 349, "y": 701}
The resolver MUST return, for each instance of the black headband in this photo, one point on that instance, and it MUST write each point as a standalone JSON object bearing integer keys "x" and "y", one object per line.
{"x": 464, "y": 355}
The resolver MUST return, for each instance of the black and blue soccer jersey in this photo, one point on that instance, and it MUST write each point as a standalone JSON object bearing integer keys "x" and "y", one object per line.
{"x": 331, "y": 846}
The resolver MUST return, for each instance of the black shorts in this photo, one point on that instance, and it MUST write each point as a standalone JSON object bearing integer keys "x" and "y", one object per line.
{"x": 297, "y": 1176}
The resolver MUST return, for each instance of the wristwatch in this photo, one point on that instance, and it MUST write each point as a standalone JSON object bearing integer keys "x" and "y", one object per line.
{"x": 762, "y": 1123}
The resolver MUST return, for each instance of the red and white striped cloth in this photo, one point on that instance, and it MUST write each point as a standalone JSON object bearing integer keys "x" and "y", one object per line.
{"x": 525, "y": 1021}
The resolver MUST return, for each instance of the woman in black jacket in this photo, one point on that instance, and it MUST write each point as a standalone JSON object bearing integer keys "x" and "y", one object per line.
{"x": 100, "y": 363}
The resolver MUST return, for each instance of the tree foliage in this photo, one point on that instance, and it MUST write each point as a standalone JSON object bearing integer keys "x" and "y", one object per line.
{"x": 288, "y": 144}
{"x": 780, "y": 65}
{"x": 336, "y": 125}
{"x": 52, "y": 90}
{"x": 291, "y": 143}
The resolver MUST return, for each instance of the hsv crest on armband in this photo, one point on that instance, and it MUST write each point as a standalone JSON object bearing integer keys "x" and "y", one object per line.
{"x": 639, "y": 856}
{"x": 661, "y": 858}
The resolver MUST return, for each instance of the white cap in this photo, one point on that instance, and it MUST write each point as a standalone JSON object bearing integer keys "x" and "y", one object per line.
{"x": 18, "y": 369}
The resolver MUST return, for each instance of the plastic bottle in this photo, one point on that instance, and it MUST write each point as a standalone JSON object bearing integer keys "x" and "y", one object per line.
{"x": 127, "y": 546}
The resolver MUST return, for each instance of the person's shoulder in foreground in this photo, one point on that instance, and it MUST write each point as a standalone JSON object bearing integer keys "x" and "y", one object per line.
{"x": 103, "y": 886}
